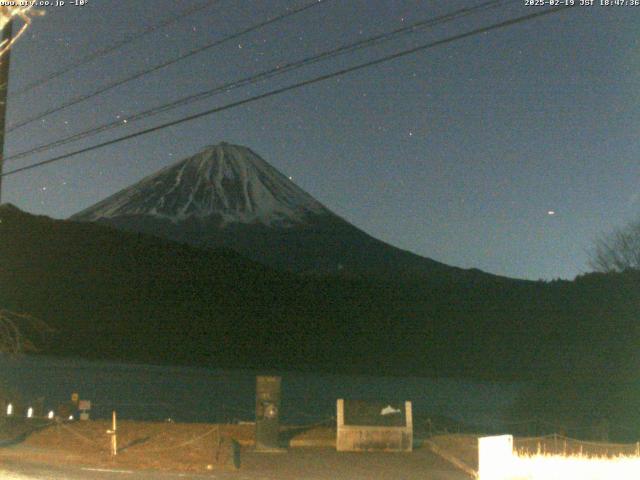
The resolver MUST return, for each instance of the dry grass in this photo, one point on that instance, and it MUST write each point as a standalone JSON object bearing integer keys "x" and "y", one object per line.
{"x": 141, "y": 445}
{"x": 144, "y": 445}
{"x": 562, "y": 467}
{"x": 464, "y": 448}
{"x": 556, "y": 457}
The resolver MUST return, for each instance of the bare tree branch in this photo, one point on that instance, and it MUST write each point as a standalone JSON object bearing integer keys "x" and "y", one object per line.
{"x": 13, "y": 326}
{"x": 618, "y": 251}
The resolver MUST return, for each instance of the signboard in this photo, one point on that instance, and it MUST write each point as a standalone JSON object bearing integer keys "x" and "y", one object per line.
{"x": 84, "y": 405}
{"x": 375, "y": 414}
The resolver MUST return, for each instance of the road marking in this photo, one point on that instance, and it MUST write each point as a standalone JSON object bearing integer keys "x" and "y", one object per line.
{"x": 107, "y": 470}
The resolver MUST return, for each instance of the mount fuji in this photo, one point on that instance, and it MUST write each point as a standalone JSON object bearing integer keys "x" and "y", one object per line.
{"x": 227, "y": 196}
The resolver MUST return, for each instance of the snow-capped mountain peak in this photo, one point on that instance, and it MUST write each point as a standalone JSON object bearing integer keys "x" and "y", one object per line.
{"x": 226, "y": 183}
{"x": 228, "y": 197}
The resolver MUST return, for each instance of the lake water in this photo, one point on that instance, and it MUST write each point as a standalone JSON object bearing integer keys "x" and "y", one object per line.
{"x": 146, "y": 392}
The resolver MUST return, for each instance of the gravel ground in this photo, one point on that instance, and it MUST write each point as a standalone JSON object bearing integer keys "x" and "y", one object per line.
{"x": 164, "y": 450}
{"x": 298, "y": 464}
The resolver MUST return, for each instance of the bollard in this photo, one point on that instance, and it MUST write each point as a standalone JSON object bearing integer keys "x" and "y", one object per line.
{"x": 112, "y": 432}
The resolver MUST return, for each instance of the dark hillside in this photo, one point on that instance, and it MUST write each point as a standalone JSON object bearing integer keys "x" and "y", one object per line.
{"x": 127, "y": 296}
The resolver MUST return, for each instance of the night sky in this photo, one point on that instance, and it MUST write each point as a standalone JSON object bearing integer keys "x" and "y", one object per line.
{"x": 508, "y": 151}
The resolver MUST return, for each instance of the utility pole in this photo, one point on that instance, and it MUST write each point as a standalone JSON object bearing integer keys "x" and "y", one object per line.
{"x": 7, "y": 34}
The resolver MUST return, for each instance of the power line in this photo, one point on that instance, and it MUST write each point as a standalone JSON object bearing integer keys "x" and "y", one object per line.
{"x": 116, "y": 46}
{"x": 117, "y": 83}
{"x": 278, "y": 70}
{"x": 296, "y": 86}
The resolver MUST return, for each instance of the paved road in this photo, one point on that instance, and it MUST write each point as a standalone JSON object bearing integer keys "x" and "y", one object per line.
{"x": 301, "y": 464}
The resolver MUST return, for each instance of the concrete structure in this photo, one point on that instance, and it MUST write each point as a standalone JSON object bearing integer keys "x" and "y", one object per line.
{"x": 268, "y": 413}
{"x": 495, "y": 457}
{"x": 389, "y": 429}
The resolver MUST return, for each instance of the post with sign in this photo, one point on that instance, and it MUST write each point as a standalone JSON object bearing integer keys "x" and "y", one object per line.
{"x": 84, "y": 406}
{"x": 268, "y": 414}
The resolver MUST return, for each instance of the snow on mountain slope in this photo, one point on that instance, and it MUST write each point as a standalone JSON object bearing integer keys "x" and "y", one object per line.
{"x": 228, "y": 197}
{"x": 225, "y": 182}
